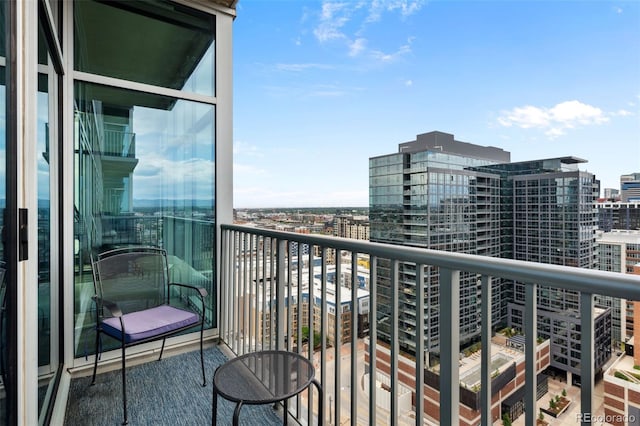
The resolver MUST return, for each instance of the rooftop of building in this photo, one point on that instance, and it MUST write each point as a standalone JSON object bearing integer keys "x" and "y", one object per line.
{"x": 445, "y": 142}
{"x": 619, "y": 236}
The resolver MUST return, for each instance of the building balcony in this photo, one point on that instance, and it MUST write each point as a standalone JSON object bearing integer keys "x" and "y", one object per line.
{"x": 257, "y": 292}
{"x": 281, "y": 290}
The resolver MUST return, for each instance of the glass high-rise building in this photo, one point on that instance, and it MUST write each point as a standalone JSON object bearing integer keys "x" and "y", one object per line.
{"x": 442, "y": 194}
{"x": 550, "y": 217}
{"x": 426, "y": 195}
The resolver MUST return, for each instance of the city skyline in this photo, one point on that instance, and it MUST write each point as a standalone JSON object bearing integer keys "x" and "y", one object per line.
{"x": 332, "y": 84}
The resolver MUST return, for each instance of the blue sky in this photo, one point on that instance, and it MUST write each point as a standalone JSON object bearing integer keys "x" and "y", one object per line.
{"x": 320, "y": 87}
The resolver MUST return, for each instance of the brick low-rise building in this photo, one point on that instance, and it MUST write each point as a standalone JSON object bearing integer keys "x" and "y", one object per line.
{"x": 507, "y": 381}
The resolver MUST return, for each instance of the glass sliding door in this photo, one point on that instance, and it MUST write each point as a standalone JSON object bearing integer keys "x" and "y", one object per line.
{"x": 8, "y": 258}
{"x": 5, "y": 322}
{"x": 47, "y": 225}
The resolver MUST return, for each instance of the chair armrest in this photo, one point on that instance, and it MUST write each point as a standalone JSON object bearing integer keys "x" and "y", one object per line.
{"x": 111, "y": 306}
{"x": 201, "y": 290}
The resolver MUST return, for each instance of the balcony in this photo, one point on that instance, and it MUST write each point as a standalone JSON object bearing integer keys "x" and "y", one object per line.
{"x": 281, "y": 290}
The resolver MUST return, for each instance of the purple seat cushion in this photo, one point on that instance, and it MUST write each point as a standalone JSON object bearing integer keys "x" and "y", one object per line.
{"x": 150, "y": 322}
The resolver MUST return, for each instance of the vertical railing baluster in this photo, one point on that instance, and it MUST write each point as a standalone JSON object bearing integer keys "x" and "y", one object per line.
{"x": 395, "y": 344}
{"x": 587, "y": 349}
{"x": 266, "y": 242}
{"x": 373, "y": 337}
{"x": 530, "y": 342}
{"x": 243, "y": 291}
{"x": 299, "y": 336}
{"x": 290, "y": 335}
{"x": 354, "y": 338}
{"x": 280, "y": 295}
{"x": 485, "y": 354}
{"x": 338, "y": 338}
{"x": 272, "y": 293}
{"x": 449, "y": 346}
{"x": 324, "y": 330}
{"x": 299, "y": 303}
{"x": 222, "y": 284}
{"x": 234, "y": 283}
{"x": 252, "y": 280}
{"x": 311, "y": 326}
{"x": 420, "y": 344}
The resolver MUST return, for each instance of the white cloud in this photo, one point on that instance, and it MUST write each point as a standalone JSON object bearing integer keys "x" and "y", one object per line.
{"x": 333, "y": 16}
{"x": 555, "y": 120}
{"x": 525, "y": 117}
{"x": 406, "y": 8}
{"x": 408, "y": 83}
{"x": 345, "y": 22}
{"x": 391, "y": 57}
{"x": 571, "y": 113}
{"x": 174, "y": 179}
{"x": 357, "y": 46}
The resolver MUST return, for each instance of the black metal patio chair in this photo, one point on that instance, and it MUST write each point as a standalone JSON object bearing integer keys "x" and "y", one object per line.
{"x": 136, "y": 303}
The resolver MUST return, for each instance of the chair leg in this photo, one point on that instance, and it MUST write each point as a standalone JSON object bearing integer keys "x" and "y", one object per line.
{"x": 95, "y": 362}
{"x": 124, "y": 386}
{"x": 204, "y": 377}
{"x": 162, "y": 348}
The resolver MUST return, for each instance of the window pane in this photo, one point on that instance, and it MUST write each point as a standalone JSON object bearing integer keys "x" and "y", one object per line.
{"x": 44, "y": 224}
{"x": 144, "y": 170}
{"x": 112, "y": 39}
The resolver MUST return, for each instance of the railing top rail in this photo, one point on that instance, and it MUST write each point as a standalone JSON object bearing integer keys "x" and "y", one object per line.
{"x": 591, "y": 281}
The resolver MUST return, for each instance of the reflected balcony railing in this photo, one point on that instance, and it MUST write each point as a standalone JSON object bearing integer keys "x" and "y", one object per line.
{"x": 282, "y": 290}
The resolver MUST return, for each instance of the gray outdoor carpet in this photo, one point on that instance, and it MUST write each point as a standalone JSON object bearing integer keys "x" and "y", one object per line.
{"x": 168, "y": 392}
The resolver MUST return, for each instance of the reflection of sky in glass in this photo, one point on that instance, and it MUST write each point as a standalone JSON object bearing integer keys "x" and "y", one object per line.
{"x": 43, "y": 165}
{"x": 175, "y": 152}
{"x": 202, "y": 78}
{"x": 3, "y": 141}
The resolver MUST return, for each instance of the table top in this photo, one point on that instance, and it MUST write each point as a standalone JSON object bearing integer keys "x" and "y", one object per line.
{"x": 263, "y": 377}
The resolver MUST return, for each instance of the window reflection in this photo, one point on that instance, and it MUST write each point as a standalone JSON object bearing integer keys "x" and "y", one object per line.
{"x": 180, "y": 55}
{"x": 144, "y": 176}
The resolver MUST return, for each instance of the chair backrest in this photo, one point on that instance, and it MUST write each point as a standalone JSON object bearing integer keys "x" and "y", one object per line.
{"x": 135, "y": 278}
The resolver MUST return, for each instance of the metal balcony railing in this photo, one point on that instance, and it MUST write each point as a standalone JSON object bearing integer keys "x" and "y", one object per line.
{"x": 275, "y": 286}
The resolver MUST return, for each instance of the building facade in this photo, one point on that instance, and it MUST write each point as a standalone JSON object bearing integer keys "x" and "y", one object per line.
{"x": 349, "y": 226}
{"x": 619, "y": 251}
{"x": 508, "y": 379}
{"x": 630, "y": 188}
{"x": 443, "y": 194}
{"x": 625, "y": 216}
{"x": 426, "y": 196}
{"x": 550, "y": 218}
{"x": 621, "y": 384}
